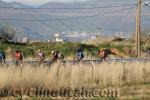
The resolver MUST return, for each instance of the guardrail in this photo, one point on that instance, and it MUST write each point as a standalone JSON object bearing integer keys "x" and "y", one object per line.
{"x": 91, "y": 61}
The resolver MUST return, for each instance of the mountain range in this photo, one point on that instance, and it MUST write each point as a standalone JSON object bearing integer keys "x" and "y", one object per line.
{"x": 90, "y": 16}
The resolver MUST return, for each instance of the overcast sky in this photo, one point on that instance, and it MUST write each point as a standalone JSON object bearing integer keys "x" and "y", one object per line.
{"x": 39, "y": 2}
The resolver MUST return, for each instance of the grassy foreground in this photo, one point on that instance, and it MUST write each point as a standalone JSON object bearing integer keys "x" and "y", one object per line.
{"x": 131, "y": 79}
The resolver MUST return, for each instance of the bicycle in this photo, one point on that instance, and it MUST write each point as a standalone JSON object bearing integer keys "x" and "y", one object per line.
{"x": 18, "y": 63}
{"x": 40, "y": 62}
{"x": 77, "y": 60}
{"x": 2, "y": 62}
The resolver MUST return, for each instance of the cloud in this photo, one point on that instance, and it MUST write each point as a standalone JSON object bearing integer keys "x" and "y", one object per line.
{"x": 40, "y": 2}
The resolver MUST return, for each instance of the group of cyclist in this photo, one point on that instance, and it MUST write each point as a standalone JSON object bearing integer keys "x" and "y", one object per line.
{"x": 55, "y": 56}
{"x": 58, "y": 56}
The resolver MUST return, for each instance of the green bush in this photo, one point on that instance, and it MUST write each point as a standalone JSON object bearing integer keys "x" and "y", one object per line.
{"x": 68, "y": 49}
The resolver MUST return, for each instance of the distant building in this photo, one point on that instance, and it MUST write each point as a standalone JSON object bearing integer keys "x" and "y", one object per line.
{"x": 22, "y": 40}
{"x": 84, "y": 34}
{"x": 93, "y": 38}
{"x": 58, "y": 39}
{"x": 49, "y": 41}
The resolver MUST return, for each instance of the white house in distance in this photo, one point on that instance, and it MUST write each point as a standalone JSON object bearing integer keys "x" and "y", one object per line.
{"x": 22, "y": 39}
{"x": 58, "y": 39}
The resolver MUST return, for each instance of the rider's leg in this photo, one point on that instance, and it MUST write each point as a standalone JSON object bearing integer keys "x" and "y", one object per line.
{"x": 16, "y": 63}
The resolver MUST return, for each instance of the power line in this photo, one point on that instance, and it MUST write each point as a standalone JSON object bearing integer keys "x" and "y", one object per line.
{"x": 120, "y": 2}
{"x": 19, "y": 8}
{"x": 47, "y": 13}
{"x": 72, "y": 18}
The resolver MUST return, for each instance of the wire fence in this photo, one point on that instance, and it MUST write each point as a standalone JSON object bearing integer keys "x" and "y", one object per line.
{"x": 72, "y": 62}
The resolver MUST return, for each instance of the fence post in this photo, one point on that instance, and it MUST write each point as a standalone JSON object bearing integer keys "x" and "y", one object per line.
{"x": 92, "y": 72}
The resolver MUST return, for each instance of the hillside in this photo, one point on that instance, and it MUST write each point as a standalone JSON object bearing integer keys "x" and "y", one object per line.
{"x": 64, "y": 20}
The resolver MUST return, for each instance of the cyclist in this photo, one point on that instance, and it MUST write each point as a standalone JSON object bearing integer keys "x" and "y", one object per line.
{"x": 79, "y": 55}
{"x": 18, "y": 57}
{"x": 40, "y": 57}
{"x": 148, "y": 52}
{"x": 54, "y": 55}
{"x": 2, "y": 57}
{"x": 60, "y": 56}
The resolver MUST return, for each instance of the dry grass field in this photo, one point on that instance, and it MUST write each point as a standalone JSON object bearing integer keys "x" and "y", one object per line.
{"x": 123, "y": 76}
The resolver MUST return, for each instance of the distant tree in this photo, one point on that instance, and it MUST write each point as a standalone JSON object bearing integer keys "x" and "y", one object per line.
{"x": 7, "y": 33}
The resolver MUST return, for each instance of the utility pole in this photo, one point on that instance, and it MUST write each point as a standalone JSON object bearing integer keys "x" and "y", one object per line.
{"x": 138, "y": 28}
